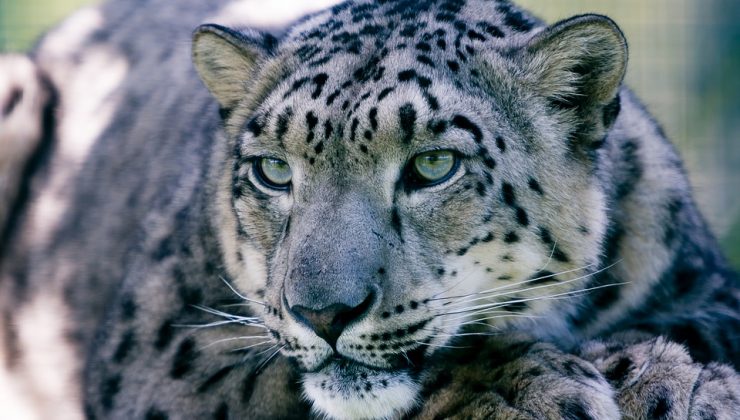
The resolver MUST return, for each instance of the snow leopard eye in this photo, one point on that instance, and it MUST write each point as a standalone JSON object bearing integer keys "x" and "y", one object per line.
{"x": 273, "y": 173}
{"x": 432, "y": 168}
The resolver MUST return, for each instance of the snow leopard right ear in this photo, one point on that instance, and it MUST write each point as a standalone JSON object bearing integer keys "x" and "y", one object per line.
{"x": 227, "y": 60}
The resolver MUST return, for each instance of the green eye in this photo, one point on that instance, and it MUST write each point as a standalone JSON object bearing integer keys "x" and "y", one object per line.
{"x": 273, "y": 172}
{"x": 433, "y": 167}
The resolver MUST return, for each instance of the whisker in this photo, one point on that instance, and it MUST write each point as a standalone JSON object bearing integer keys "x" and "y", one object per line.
{"x": 563, "y": 295}
{"x": 246, "y": 337}
{"x": 552, "y": 252}
{"x": 239, "y": 294}
{"x": 227, "y": 315}
{"x": 446, "y": 346}
{"x": 527, "y": 289}
{"x": 510, "y": 285}
{"x": 255, "y": 345}
{"x": 266, "y": 350}
{"x": 264, "y": 364}
{"x": 499, "y": 314}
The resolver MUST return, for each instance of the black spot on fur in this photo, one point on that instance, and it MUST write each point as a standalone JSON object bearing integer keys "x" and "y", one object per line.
{"x": 184, "y": 358}
{"x": 373, "y": 117}
{"x": 480, "y": 189}
{"x": 507, "y": 192}
{"x": 514, "y": 306}
{"x": 215, "y": 378}
{"x": 319, "y": 80}
{"x": 368, "y": 71}
{"x": 282, "y": 123}
{"x": 406, "y": 75}
{"x": 409, "y": 31}
{"x": 500, "y": 144}
{"x": 476, "y": 36}
{"x": 155, "y": 414}
{"x": 521, "y": 216}
{"x": 464, "y": 123}
{"x": 319, "y": 147}
{"x": 128, "y": 341}
{"x": 128, "y": 308}
{"x": 423, "y": 46}
{"x": 453, "y": 65}
{"x": 108, "y": 391}
{"x": 255, "y": 126}
{"x": 328, "y": 129}
{"x": 407, "y": 120}
{"x": 296, "y": 85}
{"x": 330, "y": 99}
{"x": 437, "y": 127}
{"x": 619, "y": 371}
{"x": 165, "y": 249}
{"x": 605, "y": 297}
{"x": 423, "y": 59}
{"x": 491, "y": 30}
{"x": 673, "y": 223}
{"x": 535, "y": 186}
{"x": 559, "y": 255}
{"x": 311, "y": 120}
{"x": 545, "y": 236}
{"x": 444, "y": 17}
{"x": 542, "y": 277}
{"x": 514, "y": 18}
{"x": 631, "y": 171}
{"x": 165, "y": 333}
{"x": 222, "y": 412}
{"x": 573, "y": 409}
{"x": 661, "y": 406}
{"x": 511, "y": 238}
{"x": 383, "y": 93}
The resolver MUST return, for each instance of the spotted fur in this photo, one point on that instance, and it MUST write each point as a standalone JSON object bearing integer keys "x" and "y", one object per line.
{"x": 562, "y": 270}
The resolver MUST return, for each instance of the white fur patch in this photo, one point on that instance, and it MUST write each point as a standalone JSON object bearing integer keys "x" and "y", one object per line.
{"x": 358, "y": 392}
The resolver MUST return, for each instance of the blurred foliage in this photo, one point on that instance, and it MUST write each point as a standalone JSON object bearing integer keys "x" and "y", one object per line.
{"x": 684, "y": 62}
{"x": 22, "y": 21}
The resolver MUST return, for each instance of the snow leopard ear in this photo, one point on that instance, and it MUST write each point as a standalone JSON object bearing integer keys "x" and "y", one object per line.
{"x": 227, "y": 60}
{"x": 579, "y": 64}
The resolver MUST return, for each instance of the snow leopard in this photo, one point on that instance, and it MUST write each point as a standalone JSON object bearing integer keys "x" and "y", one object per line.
{"x": 384, "y": 209}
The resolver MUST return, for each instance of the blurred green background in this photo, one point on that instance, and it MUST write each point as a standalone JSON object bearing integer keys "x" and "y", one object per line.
{"x": 685, "y": 65}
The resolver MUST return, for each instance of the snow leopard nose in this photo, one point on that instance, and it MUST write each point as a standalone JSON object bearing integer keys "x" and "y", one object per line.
{"x": 329, "y": 322}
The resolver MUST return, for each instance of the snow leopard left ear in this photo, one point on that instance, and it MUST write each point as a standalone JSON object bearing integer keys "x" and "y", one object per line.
{"x": 578, "y": 64}
{"x": 227, "y": 60}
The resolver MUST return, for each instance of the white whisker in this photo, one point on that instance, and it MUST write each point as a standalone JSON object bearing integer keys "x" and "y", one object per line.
{"x": 446, "y": 346}
{"x": 510, "y": 285}
{"x": 256, "y": 345}
{"x": 557, "y": 296}
{"x": 245, "y": 337}
{"x": 239, "y": 294}
{"x": 264, "y": 364}
{"x": 528, "y": 289}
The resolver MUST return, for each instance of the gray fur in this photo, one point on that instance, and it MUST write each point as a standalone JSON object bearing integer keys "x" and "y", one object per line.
{"x": 569, "y": 219}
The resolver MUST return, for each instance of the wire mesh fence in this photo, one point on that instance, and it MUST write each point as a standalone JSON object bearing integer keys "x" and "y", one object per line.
{"x": 684, "y": 62}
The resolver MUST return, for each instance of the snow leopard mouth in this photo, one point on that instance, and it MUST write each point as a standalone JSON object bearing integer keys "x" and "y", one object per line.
{"x": 342, "y": 388}
{"x": 409, "y": 360}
